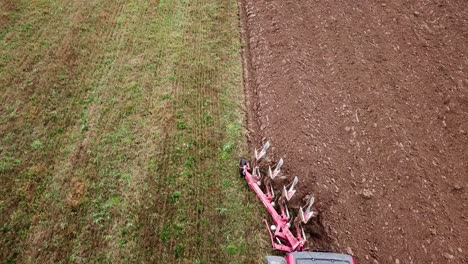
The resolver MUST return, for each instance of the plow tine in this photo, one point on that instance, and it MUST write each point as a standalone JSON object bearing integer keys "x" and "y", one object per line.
{"x": 289, "y": 193}
{"x": 284, "y": 221}
{"x": 301, "y": 216}
{"x": 277, "y": 170}
{"x": 310, "y": 203}
{"x": 259, "y": 155}
{"x": 258, "y": 174}
{"x": 308, "y": 213}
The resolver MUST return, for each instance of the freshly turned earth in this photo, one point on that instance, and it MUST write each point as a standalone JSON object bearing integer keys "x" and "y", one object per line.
{"x": 367, "y": 102}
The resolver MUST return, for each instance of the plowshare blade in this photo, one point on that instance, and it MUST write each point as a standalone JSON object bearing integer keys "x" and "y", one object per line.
{"x": 308, "y": 213}
{"x": 277, "y": 170}
{"x": 262, "y": 153}
{"x": 310, "y": 203}
{"x": 303, "y": 217}
{"x": 288, "y": 193}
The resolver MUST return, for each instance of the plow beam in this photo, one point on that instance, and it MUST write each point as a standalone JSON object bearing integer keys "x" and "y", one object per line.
{"x": 282, "y": 239}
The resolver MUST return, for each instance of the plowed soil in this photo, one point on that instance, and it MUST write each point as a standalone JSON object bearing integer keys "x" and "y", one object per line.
{"x": 367, "y": 102}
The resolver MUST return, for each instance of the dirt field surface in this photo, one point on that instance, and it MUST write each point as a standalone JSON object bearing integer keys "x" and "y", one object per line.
{"x": 367, "y": 102}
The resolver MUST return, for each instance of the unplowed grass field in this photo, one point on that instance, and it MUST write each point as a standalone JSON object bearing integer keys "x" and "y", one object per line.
{"x": 121, "y": 124}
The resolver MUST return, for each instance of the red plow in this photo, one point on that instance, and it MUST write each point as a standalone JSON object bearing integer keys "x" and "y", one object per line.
{"x": 287, "y": 232}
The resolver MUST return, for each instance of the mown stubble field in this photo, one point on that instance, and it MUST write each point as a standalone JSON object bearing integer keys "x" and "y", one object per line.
{"x": 121, "y": 123}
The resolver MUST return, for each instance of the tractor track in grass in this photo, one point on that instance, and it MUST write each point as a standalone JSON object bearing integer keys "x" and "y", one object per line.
{"x": 71, "y": 171}
{"x": 160, "y": 204}
{"x": 192, "y": 90}
{"x": 158, "y": 211}
{"x": 62, "y": 56}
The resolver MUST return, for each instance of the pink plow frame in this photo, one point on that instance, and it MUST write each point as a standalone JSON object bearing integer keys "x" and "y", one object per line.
{"x": 282, "y": 232}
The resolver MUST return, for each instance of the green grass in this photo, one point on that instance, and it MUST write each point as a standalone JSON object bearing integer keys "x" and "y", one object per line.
{"x": 120, "y": 133}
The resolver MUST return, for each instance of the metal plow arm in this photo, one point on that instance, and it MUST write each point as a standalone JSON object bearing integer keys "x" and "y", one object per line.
{"x": 273, "y": 174}
{"x": 289, "y": 190}
{"x": 281, "y": 235}
{"x": 305, "y": 215}
{"x": 259, "y": 155}
{"x": 275, "y": 245}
